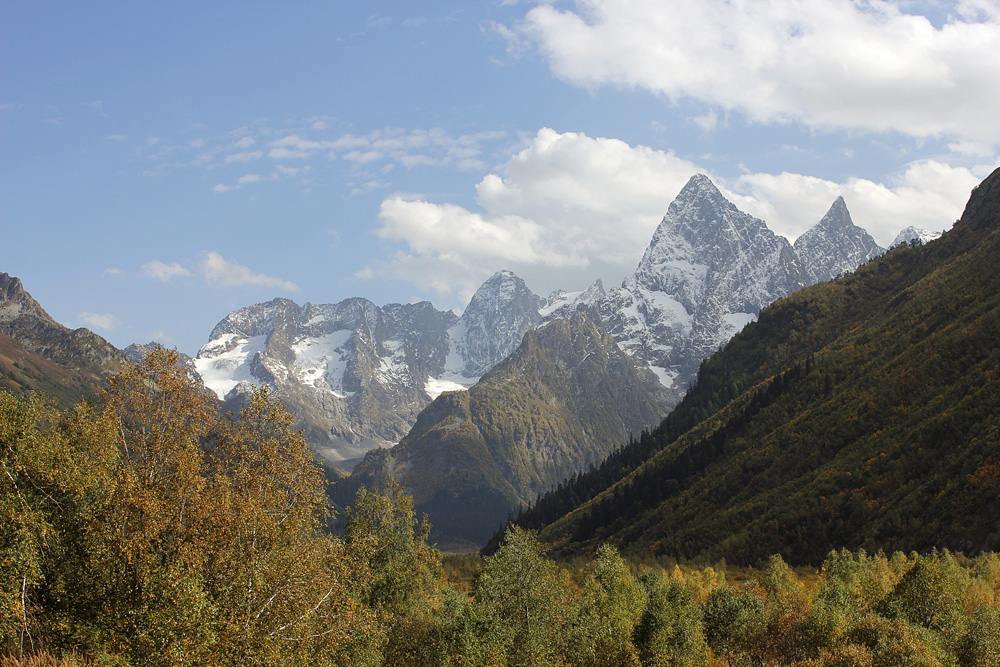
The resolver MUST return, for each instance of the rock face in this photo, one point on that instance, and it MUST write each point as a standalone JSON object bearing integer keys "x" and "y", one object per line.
{"x": 561, "y": 402}
{"x": 353, "y": 373}
{"x": 39, "y": 354}
{"x": 914, "y": 235}
{"x": 490, "y": 328}
{"x": 835, "y": 245}
{"x": 707, "y": 272}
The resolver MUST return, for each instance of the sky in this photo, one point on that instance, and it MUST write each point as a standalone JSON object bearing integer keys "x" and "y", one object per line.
{"x": 165, "y": 163}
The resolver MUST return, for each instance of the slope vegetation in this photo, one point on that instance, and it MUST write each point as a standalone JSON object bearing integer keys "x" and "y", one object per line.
{"x": 555, "y": 407}
{"x": 861, "y": 413}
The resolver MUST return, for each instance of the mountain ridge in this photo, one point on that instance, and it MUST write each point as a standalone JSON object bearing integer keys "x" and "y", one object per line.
{"x": 39, "y": 354}
{"x": 859, "y": 413}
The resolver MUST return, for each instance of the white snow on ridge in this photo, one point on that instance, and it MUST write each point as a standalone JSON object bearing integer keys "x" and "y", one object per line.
{"x": 322, "y": 360}
{"x": 221, "y": 341}
{"x": 737, "y": 321}
{"x": 665, "y": 376}
{"x": 669, "y": 310}
{"x": 437, "y": 386}
{"x": 557, "y": 301}
{"x": 393, "y": 365}
{"x": 317, "y": 319}
{"x": 222, "y": 372}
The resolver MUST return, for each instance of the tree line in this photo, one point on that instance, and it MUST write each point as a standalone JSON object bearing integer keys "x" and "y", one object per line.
{"x": 144, "y": 528}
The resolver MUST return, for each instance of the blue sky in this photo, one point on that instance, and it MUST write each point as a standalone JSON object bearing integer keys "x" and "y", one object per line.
{"x": 162, "y": 164}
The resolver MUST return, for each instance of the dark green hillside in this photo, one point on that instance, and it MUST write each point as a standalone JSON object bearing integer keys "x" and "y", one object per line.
{"x": 862, "y": 413}
{"x": 556, "y": 406}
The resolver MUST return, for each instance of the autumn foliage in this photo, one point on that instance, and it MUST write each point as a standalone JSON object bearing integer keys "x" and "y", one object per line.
{"x": 144, "y": 528}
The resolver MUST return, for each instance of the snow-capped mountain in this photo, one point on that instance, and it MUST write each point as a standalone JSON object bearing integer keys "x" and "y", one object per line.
{"x": 914, "y": 234}
{"x": 707, "y": 272}
{"x": 835, "y": 245}
{"x": 357, "y": 375}
{"x": 490, "y": 328}
{"x": 562, "y": 304}
{"x": 353, "y": 373}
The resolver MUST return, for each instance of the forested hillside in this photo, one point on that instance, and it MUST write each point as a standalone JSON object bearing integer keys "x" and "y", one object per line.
{"x": 860, "y": 413}
{"x": 555, "y": 406}
{"x": 145, "y": 529}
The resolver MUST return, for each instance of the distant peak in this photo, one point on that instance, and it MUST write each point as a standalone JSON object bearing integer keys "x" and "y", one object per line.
{"x": 12, "y": 291}
{"x": 502, "y": 277}
{"x": 503, "y": 285}
{"x": 838, "y": 215}
{"x": 11, "y": 288}
{"x": 700, "y": 184}
{"x": 914, "y": 234}
{"x": 596, "y": 290}
{"x": 503, "y": 274}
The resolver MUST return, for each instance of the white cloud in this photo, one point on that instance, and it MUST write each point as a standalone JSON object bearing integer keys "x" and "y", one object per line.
{"x": 433, "y": 147}
{"x": 927, "y": 194}
{"x": 107, "y": 322}
{"x": 158, "y": 270}
{"x": 113, "y": 272}
{"x": 570, "y": 208}
{"x": 828, "y": 64}
{"x": 218, "y": 270}
{"x": 246, "y": 156}
{"x": 566, "y": 205}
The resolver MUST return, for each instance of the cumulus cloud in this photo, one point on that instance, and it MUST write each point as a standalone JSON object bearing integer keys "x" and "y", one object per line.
{"x": 158, "y": 270}
{"x": 106, "y": 322}
{"x": 567, "y": 205}
{"x": 927, "y": 194}
{"x": 826, "y": 63}
{"x": 217, "y": 270}
{"x": 569, "y": 208}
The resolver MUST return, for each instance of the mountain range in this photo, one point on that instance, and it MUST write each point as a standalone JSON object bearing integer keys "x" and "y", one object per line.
{"x": 361, "y": 377}
{"x": 862, "y": 413}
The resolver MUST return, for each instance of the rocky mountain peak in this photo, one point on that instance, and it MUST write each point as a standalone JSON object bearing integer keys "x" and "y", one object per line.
{"x": 39, "y": 354}
{"x": 835, "y": 245}
{"x": 707, "y": 271}
{"x": 492, "y": 325}
{"x": 15, "y": 302}
{"x": 593, "y": 293}
{"x": 837, "y": 216}
{"x": 914, "y": 234}
{"x": 502, "y": 287}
